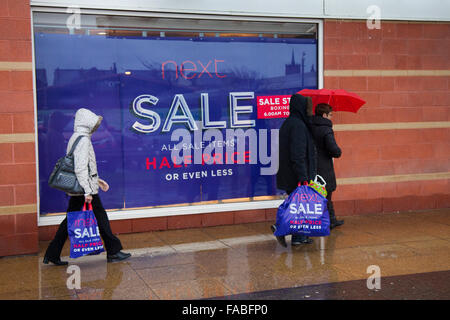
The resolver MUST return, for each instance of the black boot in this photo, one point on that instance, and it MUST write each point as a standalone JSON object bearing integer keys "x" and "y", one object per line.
{"x": 119, "y": 256}
{"x": 333, "y": 221}
{"x": 56, "y": 262}
{"x": 281, "y": 239}
{"x": 336, "y": 223}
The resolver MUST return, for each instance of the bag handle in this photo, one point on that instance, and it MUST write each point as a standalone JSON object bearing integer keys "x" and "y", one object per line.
{"x": 75, "y": 145}
{"x": 90, "y": 206}
{"x": 323, "y": 180}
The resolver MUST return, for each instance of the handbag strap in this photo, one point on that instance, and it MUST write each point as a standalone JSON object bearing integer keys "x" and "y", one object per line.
{"x": 75, "y": 145}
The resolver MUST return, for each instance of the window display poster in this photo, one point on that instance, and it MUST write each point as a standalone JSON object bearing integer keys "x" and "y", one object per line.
{"x": 186, "y": 120}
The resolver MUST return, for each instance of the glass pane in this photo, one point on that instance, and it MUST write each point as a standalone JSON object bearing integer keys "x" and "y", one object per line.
{"x": 203, "y": 95}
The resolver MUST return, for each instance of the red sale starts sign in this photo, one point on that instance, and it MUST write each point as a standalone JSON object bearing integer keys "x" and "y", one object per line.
{"x": 270, "y": 107}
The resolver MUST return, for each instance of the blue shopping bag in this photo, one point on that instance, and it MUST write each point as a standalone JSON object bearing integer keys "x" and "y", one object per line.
{"x": 303, "y": 212}
{"x": 83, "y": 232}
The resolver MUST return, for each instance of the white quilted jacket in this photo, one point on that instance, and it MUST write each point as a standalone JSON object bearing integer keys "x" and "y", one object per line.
{"x": 86, "y": 122}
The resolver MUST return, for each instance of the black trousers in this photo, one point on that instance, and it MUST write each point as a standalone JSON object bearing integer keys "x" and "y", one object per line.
{"x": 330, "y": 206}
{"x": 111, "y": 242}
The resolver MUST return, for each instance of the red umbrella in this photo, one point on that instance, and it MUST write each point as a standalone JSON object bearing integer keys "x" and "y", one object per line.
{"x": 339, "y": 99}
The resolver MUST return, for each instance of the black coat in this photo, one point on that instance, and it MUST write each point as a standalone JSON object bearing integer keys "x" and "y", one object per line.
{"x": 327, "y": 149}
{"x": 297, "y": 154}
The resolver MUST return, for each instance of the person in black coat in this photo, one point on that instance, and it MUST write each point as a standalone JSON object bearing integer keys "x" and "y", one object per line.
{"x": 327, "y": 149}
{"x": 297, "y": 153}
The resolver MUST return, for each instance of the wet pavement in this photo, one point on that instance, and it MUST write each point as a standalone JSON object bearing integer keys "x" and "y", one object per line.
{"x": 411, "y": 251}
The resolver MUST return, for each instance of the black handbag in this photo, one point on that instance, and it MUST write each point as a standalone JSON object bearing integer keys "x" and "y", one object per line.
{"x": 63, "y": 175}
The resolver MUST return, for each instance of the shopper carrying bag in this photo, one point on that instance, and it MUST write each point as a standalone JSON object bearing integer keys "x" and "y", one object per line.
{"x": 85, "y": 168}
{"x": 297, "y": 155}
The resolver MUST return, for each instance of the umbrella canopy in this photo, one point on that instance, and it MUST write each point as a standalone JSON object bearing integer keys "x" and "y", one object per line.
{"x": 339, "y": 99}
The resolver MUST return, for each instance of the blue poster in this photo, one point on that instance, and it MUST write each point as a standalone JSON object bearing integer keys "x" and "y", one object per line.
{"x": 185, "y": 119}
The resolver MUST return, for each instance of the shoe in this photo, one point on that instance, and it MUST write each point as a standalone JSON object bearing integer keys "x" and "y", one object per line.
{"x": 304, "y": 241}
{"x": 336, "y": 223}
{"x": 281, "y": 239}
{"x": 119, "y": 256}
{"x": 57, "y": 262}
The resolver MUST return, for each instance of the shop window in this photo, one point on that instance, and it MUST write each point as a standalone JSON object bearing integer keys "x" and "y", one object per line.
{"x": 211, "y": 92}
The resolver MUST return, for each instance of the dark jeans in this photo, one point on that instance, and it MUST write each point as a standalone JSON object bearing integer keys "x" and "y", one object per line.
{"x": 111, "y": 242}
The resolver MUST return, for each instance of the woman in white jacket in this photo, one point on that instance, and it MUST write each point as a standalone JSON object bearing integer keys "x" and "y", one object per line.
{"x": 86, "y": 123}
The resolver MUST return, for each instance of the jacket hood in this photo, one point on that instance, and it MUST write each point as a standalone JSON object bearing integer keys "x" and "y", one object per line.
{"x": 321, "y": 121}
{"x": 86, "y": 121}
{"x": 300, "y": 107}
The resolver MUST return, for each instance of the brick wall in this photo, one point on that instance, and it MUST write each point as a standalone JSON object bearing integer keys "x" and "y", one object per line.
{"x": 402, "y": 71}
{"x": 18, "y": 217}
